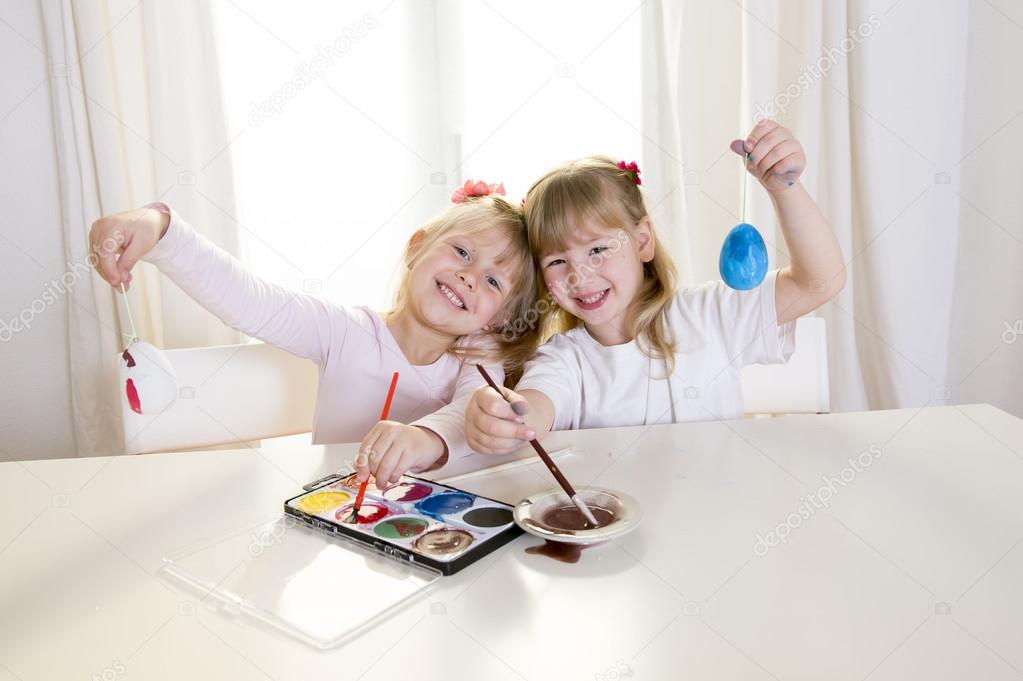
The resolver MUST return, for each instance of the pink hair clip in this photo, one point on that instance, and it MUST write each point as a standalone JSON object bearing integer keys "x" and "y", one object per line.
{"x": 632, "y": 169}
{"x": 471, "y": 190}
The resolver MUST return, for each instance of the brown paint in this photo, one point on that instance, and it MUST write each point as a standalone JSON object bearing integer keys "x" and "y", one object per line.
{"x": 558, "y": 550}
{"x": 443, "y": 541}
{"x": 569, "y": 518}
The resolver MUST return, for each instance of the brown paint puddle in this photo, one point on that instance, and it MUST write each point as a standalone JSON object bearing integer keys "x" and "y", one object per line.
{"x": 568, "y": 517}
{"x": 558, "y": 550}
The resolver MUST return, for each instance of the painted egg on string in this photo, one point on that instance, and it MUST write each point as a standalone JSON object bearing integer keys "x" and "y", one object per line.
{"x": 743, "y": 262}
{"x": 148, "y": 381}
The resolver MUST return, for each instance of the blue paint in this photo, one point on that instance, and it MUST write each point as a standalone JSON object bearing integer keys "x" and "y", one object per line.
{"x": 445, "y": 503}
{"x": 743, "y": 262}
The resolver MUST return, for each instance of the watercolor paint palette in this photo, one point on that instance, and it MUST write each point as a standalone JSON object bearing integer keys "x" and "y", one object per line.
{"x": 414, "y": 520}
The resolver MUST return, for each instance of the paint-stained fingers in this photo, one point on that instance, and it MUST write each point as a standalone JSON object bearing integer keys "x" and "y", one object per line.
{"x": 787, "y": 166}
{"x": 766, "y": 143}
{"x": 495, "y": 405}
{"x": 764, "y": 158}
{"x": 518, "y": 403}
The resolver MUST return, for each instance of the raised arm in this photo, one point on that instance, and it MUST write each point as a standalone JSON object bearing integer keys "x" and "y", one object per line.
{"x": 298, "y": 323}
{"x": 816, "y": 270}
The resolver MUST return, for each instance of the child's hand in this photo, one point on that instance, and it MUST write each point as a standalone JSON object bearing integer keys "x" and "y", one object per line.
{"x": 118, "y": 241}
{"x": 776, "y": 157}
{"x": 492, "y": 426}
{"x": 390, "y": 449}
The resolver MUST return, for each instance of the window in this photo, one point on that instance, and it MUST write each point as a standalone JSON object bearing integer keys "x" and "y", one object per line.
{"x": 352, "y": 124}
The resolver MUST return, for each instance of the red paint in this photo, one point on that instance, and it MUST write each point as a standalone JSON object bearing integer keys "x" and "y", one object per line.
{"x": 133, "y": 396}
{"x": 368, "y": 513}
{"x": 128, "y": 359}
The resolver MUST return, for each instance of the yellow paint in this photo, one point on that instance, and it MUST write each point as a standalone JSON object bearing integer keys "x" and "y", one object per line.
{"x": 322, "y": 501}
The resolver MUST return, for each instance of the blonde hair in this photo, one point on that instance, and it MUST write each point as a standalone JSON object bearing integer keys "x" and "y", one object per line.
{"x": 475, "y": 216}
{"x": 595, "y": 190}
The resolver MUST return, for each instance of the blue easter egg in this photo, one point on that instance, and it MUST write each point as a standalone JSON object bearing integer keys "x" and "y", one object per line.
{"x": 743, "y": 262}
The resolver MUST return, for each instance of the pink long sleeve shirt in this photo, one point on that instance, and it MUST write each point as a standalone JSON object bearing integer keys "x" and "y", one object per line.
{"x": 352, "y": 347}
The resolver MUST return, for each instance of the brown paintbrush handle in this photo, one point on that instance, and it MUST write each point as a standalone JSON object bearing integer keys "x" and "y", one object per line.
{"x": 551, "y": 466}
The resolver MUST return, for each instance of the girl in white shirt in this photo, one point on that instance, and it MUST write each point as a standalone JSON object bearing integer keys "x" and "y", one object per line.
{"x": 626, "y": 347}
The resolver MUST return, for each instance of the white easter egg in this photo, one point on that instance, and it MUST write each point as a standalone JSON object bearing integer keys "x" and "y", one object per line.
{"x": 148, "y": 381}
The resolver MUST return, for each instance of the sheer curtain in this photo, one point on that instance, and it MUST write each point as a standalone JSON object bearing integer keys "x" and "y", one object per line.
{"x": 136, "y": 114}
{"x": 916, "y": 186}
{"x": 986, "y": 345}
{"x": 353, "y": 123}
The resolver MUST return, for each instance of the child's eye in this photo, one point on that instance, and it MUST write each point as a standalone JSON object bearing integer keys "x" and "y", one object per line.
{"x": 494, "y": 282}
{"x": 555, "y": 261}
{"x": 597, "y": 249}
{"x": 462, "y": 253}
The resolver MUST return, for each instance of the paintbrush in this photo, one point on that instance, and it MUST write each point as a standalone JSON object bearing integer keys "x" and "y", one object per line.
{"x": 352, "y": 517}
{"x": 551, "y": 466}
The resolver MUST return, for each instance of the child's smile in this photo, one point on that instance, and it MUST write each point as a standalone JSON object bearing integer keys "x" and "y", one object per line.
{"x": 592, "y": 301}
{"x": 597, "y": 276}
{"x": 461, "y": 284}
{"x": 450, "y": 295}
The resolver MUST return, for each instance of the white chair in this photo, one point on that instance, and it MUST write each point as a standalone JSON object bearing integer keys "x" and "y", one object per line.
{"x": 799, "y": 386}
{"x": 227, "y": 394}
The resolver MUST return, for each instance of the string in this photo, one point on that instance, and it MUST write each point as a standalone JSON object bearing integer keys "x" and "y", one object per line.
{"x": 131, "y": 321}
{"x": 745, "y": 179}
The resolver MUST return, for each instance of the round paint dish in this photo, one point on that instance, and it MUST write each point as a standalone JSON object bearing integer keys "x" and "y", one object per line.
{"x": 445, "y": 503}
{"x": 368, "y": 513}
{"x": 443, "y": 542}
{"x": 401, "y": 527}
{"x": 552, "y": 515}
{"x": 407, "y": 491}
{"x": 322, "y": 501}
{"x": 488, "y": 516}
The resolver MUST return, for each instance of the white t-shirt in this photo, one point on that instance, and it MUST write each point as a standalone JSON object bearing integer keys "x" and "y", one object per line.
{"x": 717, "y": 330}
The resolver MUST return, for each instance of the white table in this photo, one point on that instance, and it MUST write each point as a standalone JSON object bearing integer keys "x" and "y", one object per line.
{"x": 916, "y": 571}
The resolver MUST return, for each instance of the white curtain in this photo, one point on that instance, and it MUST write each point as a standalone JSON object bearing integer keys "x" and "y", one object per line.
{"x": 919, "y": 191}
{"x": 137, "y": 116}
{"x": 985, "y": 361}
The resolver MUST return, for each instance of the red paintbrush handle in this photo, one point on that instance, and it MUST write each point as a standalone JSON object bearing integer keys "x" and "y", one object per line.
{"x": 383, "y": 417}
{"x": 361, "y": 495}
{"x": 390, "y": 395}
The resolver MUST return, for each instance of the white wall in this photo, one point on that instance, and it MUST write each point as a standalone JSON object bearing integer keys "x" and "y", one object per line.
{"x": 35, "y": 419}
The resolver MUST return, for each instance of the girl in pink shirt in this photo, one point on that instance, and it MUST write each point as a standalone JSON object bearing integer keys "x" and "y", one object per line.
{"x": 467, "y": 275}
